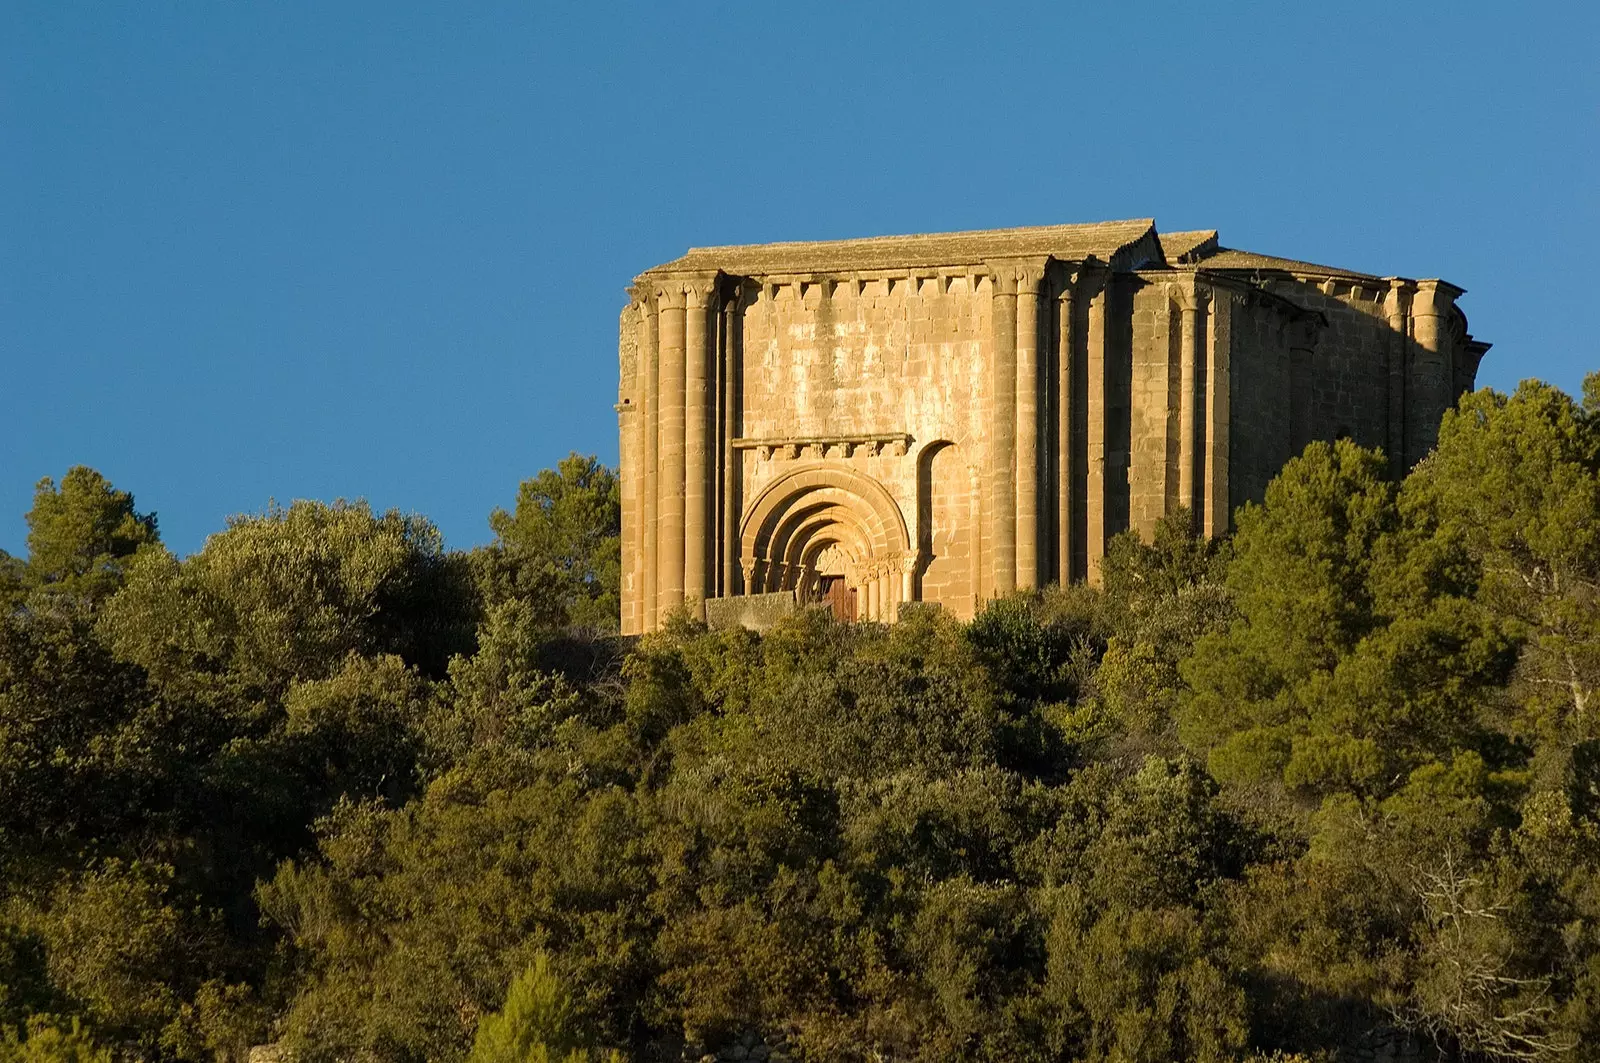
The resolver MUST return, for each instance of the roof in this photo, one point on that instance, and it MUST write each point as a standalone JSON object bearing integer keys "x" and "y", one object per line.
{"x": 1174, "y": 246}
{"x": 1122, "y": 244}
{"x": 1229, "y": 259}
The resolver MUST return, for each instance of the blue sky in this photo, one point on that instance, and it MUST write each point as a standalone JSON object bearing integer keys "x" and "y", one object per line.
{"x": 309, "y": 250}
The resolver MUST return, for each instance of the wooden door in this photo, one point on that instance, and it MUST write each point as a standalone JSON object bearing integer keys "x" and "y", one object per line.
{"x": 841, "y": 597}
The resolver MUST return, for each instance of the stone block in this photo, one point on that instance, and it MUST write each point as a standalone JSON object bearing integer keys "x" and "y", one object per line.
{"x": 755, "y": 612}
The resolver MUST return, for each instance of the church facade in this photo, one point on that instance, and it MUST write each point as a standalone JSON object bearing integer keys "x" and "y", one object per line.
{"x": 947, "y": 418}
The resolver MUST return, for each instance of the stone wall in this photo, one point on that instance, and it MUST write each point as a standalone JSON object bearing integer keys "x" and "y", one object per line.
{"x": 951, "y": 417}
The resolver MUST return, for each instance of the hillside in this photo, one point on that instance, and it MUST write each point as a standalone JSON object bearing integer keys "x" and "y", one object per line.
{"x": 1329, "y": 787}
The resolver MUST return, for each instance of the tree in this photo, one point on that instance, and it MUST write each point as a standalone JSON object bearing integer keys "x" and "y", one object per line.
{"x": 80, "y": 535}
{"x": 1515, "y": 482}
{"x": 43, "y": 1040}
{"x": 560, "y": 549}
{"x": 536, "y": 1025}
{"x": 288, "y": 595}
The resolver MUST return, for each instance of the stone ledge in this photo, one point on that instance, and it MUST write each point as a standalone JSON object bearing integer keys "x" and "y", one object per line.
{"x": 792, "y": 447}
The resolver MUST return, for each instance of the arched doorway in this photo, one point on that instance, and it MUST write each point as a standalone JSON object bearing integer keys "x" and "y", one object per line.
{"x": 832, "y": 535}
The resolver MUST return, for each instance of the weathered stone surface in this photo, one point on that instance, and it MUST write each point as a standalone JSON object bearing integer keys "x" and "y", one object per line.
{"x": 941, "y": 418}
{"x": 754, "y": 611}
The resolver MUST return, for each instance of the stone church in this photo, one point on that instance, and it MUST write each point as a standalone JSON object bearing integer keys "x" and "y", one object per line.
{"x": 950, "y": 417}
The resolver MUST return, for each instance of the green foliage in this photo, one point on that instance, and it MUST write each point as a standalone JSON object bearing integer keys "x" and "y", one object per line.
{"x": 1328, "y": 790}
{"x": 287, "y": 596}
{"x": 536, "y": 1025}
{"x": 80, "y": 535}
{"x": 559, "y": 551}
{"x": 44, "y": 1040}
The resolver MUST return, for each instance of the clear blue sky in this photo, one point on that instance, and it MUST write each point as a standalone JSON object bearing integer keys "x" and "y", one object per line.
{"x": 310, "y": 250}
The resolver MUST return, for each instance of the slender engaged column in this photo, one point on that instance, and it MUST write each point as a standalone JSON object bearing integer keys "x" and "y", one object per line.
{"x": 1095, "y": 473}
{"x": 1027, "y": 414}
{"x": 1066, "y": 353}
{"x": 696, "y": 449}
{"x": 871, "y": 590}
{"x": 1003, "y": 433}
{"x": 630, "y": 451}
{"x": 650, "y": 471}
{"x": 1217, "y": 342}
{"x": 1188, "y": 395}
{"x": 731, "y": 470}
{"x": 670, "y": 490}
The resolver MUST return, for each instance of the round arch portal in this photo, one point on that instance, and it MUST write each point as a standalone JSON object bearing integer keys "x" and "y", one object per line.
{"x": 819, "y": 530}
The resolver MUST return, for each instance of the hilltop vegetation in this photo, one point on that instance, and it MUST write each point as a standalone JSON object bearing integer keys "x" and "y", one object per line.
{"x": 1319, "y": 789}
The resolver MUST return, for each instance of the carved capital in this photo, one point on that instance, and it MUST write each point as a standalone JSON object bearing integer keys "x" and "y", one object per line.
{"x": 1190, "y": 297}
{"x": 1030, "y": 275}
{"x": 698, "y": 291}
{"x": 1019, "y": 276}
{"x": 1004, "y": 280}
{"x": 670, "y": 295}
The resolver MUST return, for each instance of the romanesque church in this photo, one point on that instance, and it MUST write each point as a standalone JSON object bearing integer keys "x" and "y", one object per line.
{"x": 947, "y": 418}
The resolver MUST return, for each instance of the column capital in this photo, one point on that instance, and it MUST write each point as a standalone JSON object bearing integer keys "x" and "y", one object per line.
{"x": 698, "y": 290}
{"x": 1397, "y": 300}
{"x": 1005, "y": 280}
{"x": 670, "y": 295}
{"x": 1020, "y": 275}
{"x": 1190, "y": 296}
{"x": 1067, "y": 277}
{"x": 1434, "y": 297}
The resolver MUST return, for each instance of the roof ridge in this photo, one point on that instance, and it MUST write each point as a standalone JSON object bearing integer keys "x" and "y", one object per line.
{"x": 890, "y": 238}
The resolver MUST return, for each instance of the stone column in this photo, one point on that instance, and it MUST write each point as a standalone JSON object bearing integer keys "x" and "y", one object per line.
{"x": 732, "y": 472}
{"x": 1430, "y": 386}
{"x": 1003, "y": 433}
{"x": 1095, "y": 473}
{"x": 629, "y": 441}
{"x": 1066, "y": 353}
{"x": 1027, "y": 413}
{"x": 649, "y": 470}
{"x": 697, "y": 448}
{"x": 908, "y": 575}
{"x": 670, "y": 509}
{"x": 1191, "y": 351}
{"x": 870, "y": 592}
{"x": 1218, "y": 347}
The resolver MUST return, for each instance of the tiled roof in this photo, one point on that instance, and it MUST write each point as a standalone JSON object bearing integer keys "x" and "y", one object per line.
{"x": 1105, "y": 241}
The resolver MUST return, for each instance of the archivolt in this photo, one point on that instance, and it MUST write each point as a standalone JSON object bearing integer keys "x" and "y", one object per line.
{"x": 814, "y": 507}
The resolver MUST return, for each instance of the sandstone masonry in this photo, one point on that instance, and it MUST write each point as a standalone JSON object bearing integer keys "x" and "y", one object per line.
{"x": 947, "y": 418}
